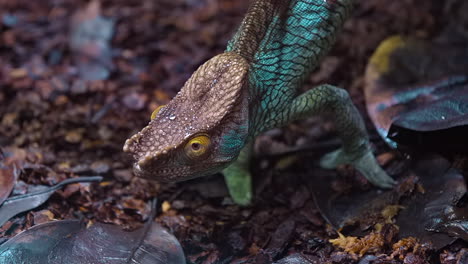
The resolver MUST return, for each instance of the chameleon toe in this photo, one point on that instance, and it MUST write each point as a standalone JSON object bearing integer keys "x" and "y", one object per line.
{"x": 368, "y": 166}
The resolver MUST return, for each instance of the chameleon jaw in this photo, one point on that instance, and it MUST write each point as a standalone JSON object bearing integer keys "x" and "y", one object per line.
{"x": 165, "y": 175}
{"x": 148, "y": 168}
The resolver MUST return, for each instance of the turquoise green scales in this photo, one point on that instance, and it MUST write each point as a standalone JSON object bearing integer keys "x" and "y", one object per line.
{"x": 284, "y": 41}
{"x": 253, "y": 87}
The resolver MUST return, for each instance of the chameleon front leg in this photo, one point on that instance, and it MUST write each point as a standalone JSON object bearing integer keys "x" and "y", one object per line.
{"x": 238, "y": 178}
{"x": 350, "y": 127}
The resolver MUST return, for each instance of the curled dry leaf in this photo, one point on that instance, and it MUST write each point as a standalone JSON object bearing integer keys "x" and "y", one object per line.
{"x": 11, "y": 163}
{"x": 8, "y": 176}
{"x": 417, "y": 92}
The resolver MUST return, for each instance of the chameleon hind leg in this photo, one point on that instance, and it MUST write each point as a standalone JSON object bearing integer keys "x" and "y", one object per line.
{"x": 350, "y": 127}
{"x": 238, "y": 178}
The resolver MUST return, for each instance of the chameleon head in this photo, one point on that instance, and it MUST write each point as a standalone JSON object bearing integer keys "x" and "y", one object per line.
{"x": 202, "y": 130}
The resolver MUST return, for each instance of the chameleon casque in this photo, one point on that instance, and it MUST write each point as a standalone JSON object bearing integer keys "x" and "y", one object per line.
{"x": 210, "y": 125}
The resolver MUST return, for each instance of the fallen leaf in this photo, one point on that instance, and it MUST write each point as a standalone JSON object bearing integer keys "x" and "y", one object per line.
{"x": 135, "y": 101}
{"x": 8, "y": 176}
{"x": 69, "y": 241}
{"x": 21, "y": 203}
{"x": 417, "y": 92}
{"x": 409, "y": 250}
{"x": 18, "y": 73}
{"x": 43, "y": 216}
{"x": 90, "y": 41}
{"x": 281, "y": 238}
{"x": 166, "y": 206}
{"x": 370, "y": 243}
{"x": 11, "y": 163}
{"x": 432, "y": 216}
{"x": 294, "y": 259}
{"x": 74, "y": 136}
{"x": 390, "y": 211}
{"x": 73, "y": 242}
{"x": 435, "y": 216}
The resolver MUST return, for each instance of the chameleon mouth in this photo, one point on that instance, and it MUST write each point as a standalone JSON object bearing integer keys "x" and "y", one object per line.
{"x": 165, "y": 175}
{"x": 174, "y": 173}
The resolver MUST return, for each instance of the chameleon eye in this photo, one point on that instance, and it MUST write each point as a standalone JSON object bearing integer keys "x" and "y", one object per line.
{"x": 197, "y": 146}
{"x": 156, "y": 111}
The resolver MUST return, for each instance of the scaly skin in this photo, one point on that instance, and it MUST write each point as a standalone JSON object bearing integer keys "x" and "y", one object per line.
{"x": 252, "y": 87}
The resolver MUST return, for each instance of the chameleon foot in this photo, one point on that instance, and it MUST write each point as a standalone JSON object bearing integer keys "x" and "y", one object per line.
{"x": 239, "y": 183}
{"x": 364, "y": 163}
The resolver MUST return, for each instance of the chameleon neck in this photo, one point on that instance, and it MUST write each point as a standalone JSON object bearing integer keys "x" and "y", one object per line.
{"x": 283, "y": 41}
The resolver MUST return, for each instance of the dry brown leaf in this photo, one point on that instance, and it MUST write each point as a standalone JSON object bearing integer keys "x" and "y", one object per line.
{"x": 368, "y": 244}
{"x": 403, "y": 246}
{"x": 390, "y": 211}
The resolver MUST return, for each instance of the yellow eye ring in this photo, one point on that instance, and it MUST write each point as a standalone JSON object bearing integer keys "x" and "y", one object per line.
{"x": 198, "y": 146}
{"x": 156, "y": 111}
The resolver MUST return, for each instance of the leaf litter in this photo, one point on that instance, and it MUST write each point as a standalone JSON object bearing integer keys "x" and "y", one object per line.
{"x": 72, "y": 127}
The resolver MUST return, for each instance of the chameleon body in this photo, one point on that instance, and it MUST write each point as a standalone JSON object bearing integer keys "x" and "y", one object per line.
{"x": 254, "y": 86}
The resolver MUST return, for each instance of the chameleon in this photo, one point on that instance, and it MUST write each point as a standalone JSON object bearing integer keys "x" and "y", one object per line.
{"x": 253, "y": 86}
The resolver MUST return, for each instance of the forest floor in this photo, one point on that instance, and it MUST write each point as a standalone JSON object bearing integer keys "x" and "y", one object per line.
{"x": 65, "y": 126}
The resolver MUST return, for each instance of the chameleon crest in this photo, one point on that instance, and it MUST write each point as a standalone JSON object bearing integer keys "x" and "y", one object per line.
{"x": 182, "y": 133}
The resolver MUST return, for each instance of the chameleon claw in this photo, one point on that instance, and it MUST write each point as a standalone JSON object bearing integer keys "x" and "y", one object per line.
{"x": 366, "y": 164}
